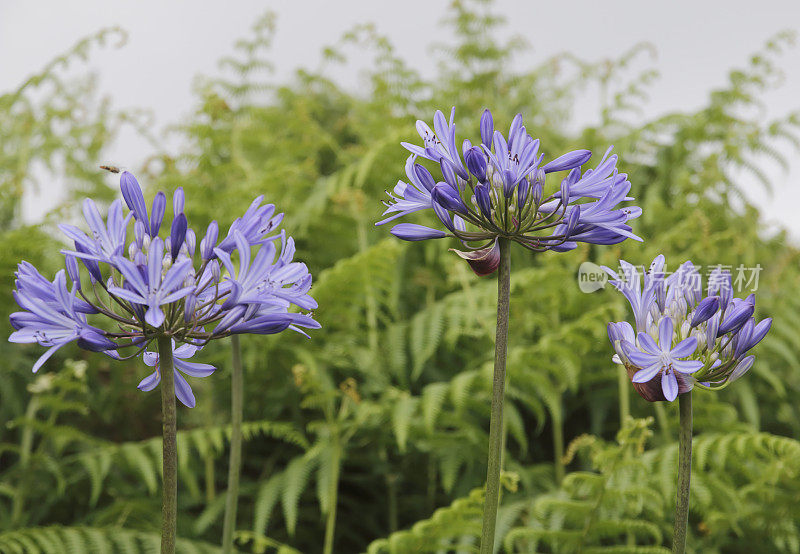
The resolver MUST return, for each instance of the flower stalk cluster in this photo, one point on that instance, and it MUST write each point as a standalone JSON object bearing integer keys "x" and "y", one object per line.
{"x": 683, "y": 339}
{"x": 494, "y": 194}
{"x": 497, "y": 188}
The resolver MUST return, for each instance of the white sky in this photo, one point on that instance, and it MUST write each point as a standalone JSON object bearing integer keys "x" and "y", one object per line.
{"x": 172, "y": 41}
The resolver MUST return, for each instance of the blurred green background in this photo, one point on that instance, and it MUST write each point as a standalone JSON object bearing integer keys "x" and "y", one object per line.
{"x": 375, "y": 430}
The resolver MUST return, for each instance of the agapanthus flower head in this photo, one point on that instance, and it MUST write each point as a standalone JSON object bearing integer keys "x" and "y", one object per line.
{"x": 157, "y": 286}
{"x": 682, "y": 338}
{"x": 498, "y": 188}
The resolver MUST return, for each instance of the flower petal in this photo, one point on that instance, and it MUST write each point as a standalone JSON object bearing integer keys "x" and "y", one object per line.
{"x": 665, "y": 329}
{"x": 183, "y": 391}
{"x": 669, "y": 385}
{"x": 644, "y": 375}
{"x": 687, "y": 366}
{"x": 194, "y": 369}
{"x": 684, "y": 348}
{"x": 648, "y": 344}
{"x": 150, "y": 382}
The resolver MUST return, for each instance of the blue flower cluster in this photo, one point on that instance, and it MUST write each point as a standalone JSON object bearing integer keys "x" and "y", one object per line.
{"x": 683, "y": 339}
{"x": 498, "y": 189}
{"x": 153, "y": 286}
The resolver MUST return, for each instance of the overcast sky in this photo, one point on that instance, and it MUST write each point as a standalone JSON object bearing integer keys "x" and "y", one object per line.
{"x": 171, "y": 42}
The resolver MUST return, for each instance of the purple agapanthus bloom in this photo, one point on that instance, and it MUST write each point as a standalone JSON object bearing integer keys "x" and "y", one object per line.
{"x": 497, "y": 189}
{"x": 155, "y": 287}
{"x": 683, "y": 339}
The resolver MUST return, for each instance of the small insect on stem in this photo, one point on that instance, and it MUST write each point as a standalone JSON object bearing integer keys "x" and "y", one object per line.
{"x": 111, "y": 168}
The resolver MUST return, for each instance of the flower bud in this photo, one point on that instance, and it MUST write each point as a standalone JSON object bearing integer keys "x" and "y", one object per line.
{"x": 743, "y": 338}
{"x": 741, "y": 368}
{"x": 72, "y": 270}
{"x": 191, "y": 241}
{"x": 576, "y": 158}
{"x": 132, "y": 193}
{"x": 157, "y": 215}
{"x": 704, "y": 310}
{"x": 139, "y": 233}
{"x": 483, "y": 200}
{"x": 91, "y": 265}
{"x": 573, "y": 218}
{"x": 565, "y": 191}
{"x": 443, "y": 215}
{"x": 94, "y": 341}
{"x": 487, "y": 128}
{"x": 178, "y": 200}
{"x": 476, "y": 163}
{"x": 449, "y": 174}
{"x": 177, "y": 234}
{"x": 424, "y": 177}
{"x": 523, "y": 189}
{"x": 188, "y": 308}
{"x": 413, "y": 232}
{"x": 736, "y": 315}
{"x": 209, "y": 241}
{"x": 445, "y": 196}
{"x": 537, "y": 186}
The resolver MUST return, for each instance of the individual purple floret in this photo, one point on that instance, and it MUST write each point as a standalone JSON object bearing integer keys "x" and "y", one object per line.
{"x": 180, "y": 356}
{"x": 154, "y": 287}
{"x": 497, "y": 189}
{"x": 683, "y": 340}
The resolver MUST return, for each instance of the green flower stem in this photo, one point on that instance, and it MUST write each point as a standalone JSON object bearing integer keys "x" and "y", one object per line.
{"x": 558, "y": 441}
{"x": 684, "y": 473}
{"x": 624, "y": 395}
{"x": 25, "y": 449}
{"x": 498, "y": 383}
{"x": 235, "y": 461}
{"x": 169, "y": 505}
{"x": 333, "y": 495}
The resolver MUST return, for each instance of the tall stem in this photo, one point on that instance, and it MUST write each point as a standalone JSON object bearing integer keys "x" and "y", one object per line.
{"x": 684, "y": 473}
{"x": 498, "y": 384}
{"x": 169, "y": 506}
{"x": 235, "y": 461}
{"x": 558, "y": 441}
{"x": 25, "y": 448}
{"x": 624, "y": 395}
{"x": 333, "y": 493}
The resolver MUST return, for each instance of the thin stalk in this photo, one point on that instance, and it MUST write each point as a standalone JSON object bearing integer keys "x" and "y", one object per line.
{"x": 624, "y": 395}
{"x": 498, "y": 384}
{"x": 558, "y": 442}
{"x": 169, "y": 506}
{"x": 684, "y": 473}
{"x": 333, "y": 493}
{"x": 235, "y": 461}
{"x": 25, "y": 448}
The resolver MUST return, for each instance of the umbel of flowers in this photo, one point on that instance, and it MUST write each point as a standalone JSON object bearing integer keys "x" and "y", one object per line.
{"x": 683, "y": 341}
{"x": 127, "y": 291}
{"x": 495, "y": 192}
{"x": 499, "y": 189}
